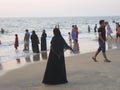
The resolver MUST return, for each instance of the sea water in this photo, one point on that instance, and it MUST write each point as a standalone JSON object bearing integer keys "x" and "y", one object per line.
{"x": 17, "y": 25}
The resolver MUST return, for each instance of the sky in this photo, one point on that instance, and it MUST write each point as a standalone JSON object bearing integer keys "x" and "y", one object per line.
{"x": 58, "y": 8}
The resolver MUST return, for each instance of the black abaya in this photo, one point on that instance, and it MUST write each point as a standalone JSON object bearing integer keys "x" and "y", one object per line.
{"x": 35, "y": 42}
{"x": 55, "y": 71}
{"x": 43, "y": 42}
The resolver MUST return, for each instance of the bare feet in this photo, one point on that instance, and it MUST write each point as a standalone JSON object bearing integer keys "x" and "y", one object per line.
{"x": 94, "y": 59}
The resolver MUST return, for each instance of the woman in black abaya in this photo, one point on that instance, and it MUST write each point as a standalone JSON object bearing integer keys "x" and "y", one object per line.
{"x": 35, "y": 42}
{"x": 43, "y": 41}
{"x": 44, "y": 45}
{"x": 55, "y": 70}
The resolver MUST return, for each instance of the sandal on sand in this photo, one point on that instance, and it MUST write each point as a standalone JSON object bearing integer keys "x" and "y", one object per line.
{"x": 107, "y": 60}
{"x": 94, "y": 59}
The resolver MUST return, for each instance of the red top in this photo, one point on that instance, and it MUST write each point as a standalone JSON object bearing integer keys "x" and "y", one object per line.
{"x": 16, "y": 42}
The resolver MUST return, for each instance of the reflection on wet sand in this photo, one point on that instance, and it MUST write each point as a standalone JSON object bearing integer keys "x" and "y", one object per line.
{"x": 36, "y": 57}
{"x": 27, "y": 58}
{"x": 21, "y": 61}
{"x": 44, "y": 55}
{"x": 18, "y": 61}
{"x": 111, "y": 44}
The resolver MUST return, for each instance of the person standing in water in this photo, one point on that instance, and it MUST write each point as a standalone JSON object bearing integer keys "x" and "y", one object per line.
{"x": 16, "y": 43}
{"x": 35, "y": 42}
{"x": 70, "y": 39}
{"x": 89, "y": 29}
{"x": 95, "y": 28}
{"x": 43, "y": 41}
{"x": 43, "y": 45}
{"x": 26, "y": 40}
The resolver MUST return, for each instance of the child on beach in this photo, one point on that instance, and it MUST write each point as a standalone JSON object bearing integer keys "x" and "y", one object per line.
{"x": 16, "y": 44}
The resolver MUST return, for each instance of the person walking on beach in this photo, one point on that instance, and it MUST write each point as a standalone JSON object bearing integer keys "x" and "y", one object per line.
{"x": 55, "y": 72}
{"x": 26, "y": 40}
{"x": 35, "y": 42}
{"x": 101, "y": 40}
{"x": 16, "y": 43}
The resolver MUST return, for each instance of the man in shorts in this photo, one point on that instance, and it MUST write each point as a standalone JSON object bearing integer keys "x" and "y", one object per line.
{"x": 101, "y": 40}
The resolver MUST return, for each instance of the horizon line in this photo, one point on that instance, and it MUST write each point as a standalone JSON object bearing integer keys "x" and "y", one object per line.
{"x": 56, "y": 16}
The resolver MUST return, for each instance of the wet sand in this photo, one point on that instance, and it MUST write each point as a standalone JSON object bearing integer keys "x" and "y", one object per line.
{"x": 82, "y": 73}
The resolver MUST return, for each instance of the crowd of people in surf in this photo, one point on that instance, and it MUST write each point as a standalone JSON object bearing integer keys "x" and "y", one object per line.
{"x": 73, "y": 40}
{"x": 73, "y": 37}
{"x": 35, "y": 40}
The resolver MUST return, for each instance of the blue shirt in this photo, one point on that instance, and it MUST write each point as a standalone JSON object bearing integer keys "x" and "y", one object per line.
{"x": 74, "y": 35}
{"x": 27, "y": 36}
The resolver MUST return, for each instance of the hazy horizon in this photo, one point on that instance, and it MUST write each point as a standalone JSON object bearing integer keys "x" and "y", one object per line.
{"x": 61, "y": 8}
{"x": 50, "y": 16}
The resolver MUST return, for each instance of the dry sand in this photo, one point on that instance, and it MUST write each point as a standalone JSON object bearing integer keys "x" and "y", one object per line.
{"x": 82, "y": 73}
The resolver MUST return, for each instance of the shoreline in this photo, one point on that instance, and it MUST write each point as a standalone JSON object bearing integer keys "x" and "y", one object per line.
{"x": 82, "y": 73}
{"x": 31, "y": 58}
{"x": 36, "y": 58}
{"x": 86, "y": 45}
